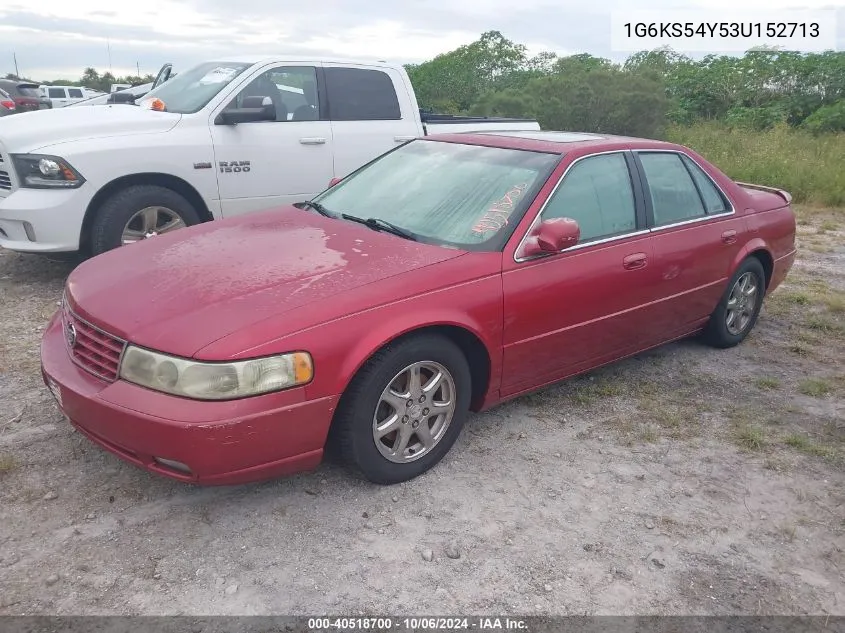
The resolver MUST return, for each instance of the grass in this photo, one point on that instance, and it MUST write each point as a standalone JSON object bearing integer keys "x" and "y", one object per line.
{"x": 749, "y": 437}
{"x": 805, "y": 445}
{"x": 815, "y": 387}
{"x": 7, "y": 464}
{"x": 828, "y": 225}
{"x": 809, "y": 167}
{"x": 767, "y": 383}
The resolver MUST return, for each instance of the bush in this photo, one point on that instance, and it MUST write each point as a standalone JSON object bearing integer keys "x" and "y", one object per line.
{"x": 829, "y": 118}
{"x": 807, "y": 166}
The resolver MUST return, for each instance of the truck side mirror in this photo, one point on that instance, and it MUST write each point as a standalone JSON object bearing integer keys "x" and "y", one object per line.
{"x": 121, "y": 97}
{"x": 252, "y": 109}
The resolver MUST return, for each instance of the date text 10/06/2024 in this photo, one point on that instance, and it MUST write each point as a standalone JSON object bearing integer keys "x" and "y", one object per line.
{"x": 417, "y": 624}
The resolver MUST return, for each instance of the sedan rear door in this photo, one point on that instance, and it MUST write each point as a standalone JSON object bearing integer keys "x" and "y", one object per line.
{"x": 697, "y": 236}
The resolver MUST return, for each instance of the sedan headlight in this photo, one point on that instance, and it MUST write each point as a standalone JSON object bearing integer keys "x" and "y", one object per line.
{"x": 215, "y": 381}
{"x": 37, "y": 171}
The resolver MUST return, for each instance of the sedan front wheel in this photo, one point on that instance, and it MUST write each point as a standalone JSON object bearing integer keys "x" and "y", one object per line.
{"x": 404, "y": 409}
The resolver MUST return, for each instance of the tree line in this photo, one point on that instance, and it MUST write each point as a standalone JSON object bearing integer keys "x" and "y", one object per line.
{"x": 641, "y": 96}
{"x": 92, "y": 79}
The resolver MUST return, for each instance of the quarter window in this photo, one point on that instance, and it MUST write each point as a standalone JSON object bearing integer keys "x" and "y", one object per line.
{"x": 357, "y": 94}
{"x": 674, "y": 197}
{"x": 596, "y": 193}
{"x": 714, "y": 201}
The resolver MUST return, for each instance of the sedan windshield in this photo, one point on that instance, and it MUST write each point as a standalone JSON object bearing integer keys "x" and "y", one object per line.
{"x": 467, "y": 196}
{"x": 190, "y": 91}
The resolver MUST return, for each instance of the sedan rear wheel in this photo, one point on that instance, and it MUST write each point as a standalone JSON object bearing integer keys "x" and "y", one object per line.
{"x": 739, "y": 307}
{"x": 404, "y": 409}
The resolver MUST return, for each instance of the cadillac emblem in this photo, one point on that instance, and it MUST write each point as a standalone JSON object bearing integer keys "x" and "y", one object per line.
{"x": 70, "y": 334}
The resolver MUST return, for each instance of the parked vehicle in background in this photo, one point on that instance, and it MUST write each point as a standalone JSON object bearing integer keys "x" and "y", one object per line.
{"x": 218, "y": 140}
{"x": 130, "y": 95}
{"x": 119, "y": 87}
{"x": 25, "y": 94}
{"x": 7, "y": 104}
{"x": 62, "y": 96}
{"x": 448, "y": 275}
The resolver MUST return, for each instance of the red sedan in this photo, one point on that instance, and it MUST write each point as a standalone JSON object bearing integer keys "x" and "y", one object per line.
{"x": 448, "y": 275}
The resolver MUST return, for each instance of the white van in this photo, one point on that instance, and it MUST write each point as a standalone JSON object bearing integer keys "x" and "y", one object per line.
{"x": 61, "y": 96}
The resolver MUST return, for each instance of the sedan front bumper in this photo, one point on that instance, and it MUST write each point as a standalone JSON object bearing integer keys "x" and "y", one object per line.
{"x": 214, "y": 443}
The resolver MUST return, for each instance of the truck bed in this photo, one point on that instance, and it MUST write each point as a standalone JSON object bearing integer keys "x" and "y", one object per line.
{"x": 450, "y": 123}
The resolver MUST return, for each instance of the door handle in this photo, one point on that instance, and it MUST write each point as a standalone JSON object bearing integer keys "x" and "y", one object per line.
{"x": 634, "y": 261}
{"x": 402, "y": 139}
{"x": 312, "y": 140}
{"x": 729, "y": 237}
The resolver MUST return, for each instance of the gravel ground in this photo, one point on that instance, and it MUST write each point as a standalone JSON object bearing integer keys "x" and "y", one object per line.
{"x": 683, "y": 481}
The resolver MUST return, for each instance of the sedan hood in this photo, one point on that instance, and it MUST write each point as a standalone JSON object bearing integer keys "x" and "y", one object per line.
{"x": 182, "y": 291}
{"x": 30, "y": 131}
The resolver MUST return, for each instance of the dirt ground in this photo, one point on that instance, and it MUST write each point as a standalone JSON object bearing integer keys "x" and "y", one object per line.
{"x": 683, "y": 481}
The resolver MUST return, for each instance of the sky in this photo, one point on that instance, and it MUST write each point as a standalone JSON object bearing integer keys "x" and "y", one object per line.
{"x": 56, "y": 39}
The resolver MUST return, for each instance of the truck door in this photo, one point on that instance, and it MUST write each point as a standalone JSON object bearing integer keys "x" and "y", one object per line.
{"x": 266, "y": 164}
{"x": 368, "y": 115}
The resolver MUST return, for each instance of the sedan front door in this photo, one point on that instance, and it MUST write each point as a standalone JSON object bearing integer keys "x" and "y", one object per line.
{"x": 591, "y": 303}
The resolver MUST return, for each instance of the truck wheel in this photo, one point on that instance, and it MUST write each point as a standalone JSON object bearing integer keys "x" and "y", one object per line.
{"x": 404, "y": 409}
{"x": 138, "y": 213}
{"x": 739, "y": 307}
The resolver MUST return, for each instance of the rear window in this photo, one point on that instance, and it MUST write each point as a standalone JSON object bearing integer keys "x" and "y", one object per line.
{"x": 357, "y": 94}
{"x": 28, "y": 90}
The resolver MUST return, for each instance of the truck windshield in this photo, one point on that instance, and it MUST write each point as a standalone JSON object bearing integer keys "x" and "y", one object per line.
{"x": 190, "y": 91}
{"x": 451, "y": 194}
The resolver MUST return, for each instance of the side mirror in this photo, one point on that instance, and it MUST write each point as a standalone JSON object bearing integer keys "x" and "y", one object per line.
{"x": 121, "y": 97}
{"x": 551, "y": 236}
{"x": 334, "y": 181}
{"x": 253, "y": 109}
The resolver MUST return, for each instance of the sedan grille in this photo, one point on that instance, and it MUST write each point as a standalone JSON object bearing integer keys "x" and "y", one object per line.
{"x": 95, "y": 351}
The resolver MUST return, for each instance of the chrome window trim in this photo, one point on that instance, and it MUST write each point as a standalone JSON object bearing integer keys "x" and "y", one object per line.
{"x": 652, "y": 229}
{"x": 539, "y": 214}
{"x": 707, "y": 216}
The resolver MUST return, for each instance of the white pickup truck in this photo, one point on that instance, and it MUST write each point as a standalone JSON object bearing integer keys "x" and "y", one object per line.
{"x": 220, "y": 139}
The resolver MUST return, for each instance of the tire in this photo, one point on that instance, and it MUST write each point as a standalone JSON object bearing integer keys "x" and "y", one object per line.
{"x": 719, "y": 331}
{"x": 353, "y": 434}
{"x": 118, "y": 210}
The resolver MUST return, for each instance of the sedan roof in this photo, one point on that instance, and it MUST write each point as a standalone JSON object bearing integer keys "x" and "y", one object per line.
{"x": 555, "y": 142}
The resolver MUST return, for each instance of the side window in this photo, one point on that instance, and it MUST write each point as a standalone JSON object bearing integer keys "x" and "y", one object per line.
{"x": 714, "y": 201}
{"x": 74, "y": 93}
{"x": 56, "y": 93}
{"x": 293, "y": 90}
{"x": 356, "y": 94}
{"x": 596, "y": 193}
{"x": 674, "y": 197}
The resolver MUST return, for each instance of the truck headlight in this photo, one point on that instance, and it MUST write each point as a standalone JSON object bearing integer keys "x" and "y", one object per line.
{"x": 37, "y": 171}
{"x": 215, "y": 381}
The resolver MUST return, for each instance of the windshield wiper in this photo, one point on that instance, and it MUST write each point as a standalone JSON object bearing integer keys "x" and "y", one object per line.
{"x": 319, "y": 208}
{"x": 377, "y": 224}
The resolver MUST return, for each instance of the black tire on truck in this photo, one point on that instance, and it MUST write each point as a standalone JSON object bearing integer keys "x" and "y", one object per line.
{"x": 138, "y": 212}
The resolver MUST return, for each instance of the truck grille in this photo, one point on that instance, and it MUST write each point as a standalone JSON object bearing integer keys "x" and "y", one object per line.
{"x": 92, "y": 349}
{"x": 5, "y": 180}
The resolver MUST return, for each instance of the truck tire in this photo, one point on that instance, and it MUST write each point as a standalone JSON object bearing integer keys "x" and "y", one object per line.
{"x": 139, "y": 212}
